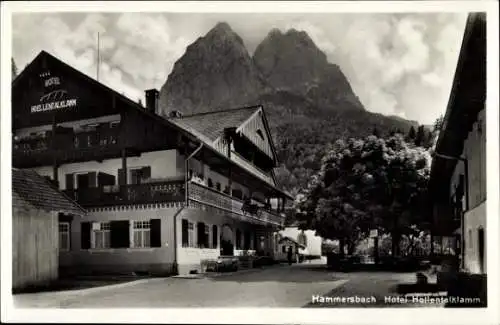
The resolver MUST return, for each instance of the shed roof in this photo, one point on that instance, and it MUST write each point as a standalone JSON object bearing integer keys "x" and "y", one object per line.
{"x": 40, "y": 193}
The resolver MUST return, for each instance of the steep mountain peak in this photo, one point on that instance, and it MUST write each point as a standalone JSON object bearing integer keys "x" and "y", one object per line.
{"x": 222, "y": 26}
{"x": 275, "y": 32}
{"x": 292, "y": 62}
{"x": 222, "y": 31}
{"x": 289, "y": 61}
{"x": 216, "y": 70}
{"x": 292, "y": 32}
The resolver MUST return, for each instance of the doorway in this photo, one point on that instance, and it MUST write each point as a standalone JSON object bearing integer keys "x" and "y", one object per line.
{"x": 480, "y": 233}
{"x": 226, "y": 241}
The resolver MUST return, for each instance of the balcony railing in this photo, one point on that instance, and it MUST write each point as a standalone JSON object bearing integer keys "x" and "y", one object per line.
{"x": 159, "y": 192}
{"x": 82, "y": 140}
{"x": 251, "y": 168}
{"x": 211, "y": 197}
{"x": 67, "y": 147}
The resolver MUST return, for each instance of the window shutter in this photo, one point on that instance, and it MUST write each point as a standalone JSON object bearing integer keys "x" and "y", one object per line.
{"x": 185, "y": 234}
{"x": 85, "y": 235}
{"x": 69, "y": 182}
{"x": 215, "y": 236}
{"x": 201, "y": 234}
{"x": 92, "y": 179}
{"x": 155, "y": 236}
{"x": 120, "y": 234}
{"x": 121, "y": 177}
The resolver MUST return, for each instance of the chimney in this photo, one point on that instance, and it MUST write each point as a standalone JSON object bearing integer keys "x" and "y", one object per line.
{"x": 152, "y": 100}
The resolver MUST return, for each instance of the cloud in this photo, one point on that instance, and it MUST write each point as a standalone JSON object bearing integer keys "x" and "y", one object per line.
{"x": 398, "y": 64}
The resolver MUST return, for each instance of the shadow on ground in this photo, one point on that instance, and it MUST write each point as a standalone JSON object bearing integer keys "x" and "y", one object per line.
{"x": 76, "y": 283}
{"x": 294, "y": 274}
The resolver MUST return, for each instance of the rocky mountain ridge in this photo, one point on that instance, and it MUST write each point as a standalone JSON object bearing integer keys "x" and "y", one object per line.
{"x": 308, "y": 100}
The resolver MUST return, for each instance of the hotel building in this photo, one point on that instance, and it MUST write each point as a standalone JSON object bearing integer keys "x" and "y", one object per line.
{"x": 163, "y": 195}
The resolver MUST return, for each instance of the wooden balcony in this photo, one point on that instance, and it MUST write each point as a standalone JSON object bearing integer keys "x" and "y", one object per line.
{"x": 200, "y": 194}
{"x": 158, "y": 192}
{"x": 173, "y": 192}
{"x": 254, "y": 170}
{"x": 69, "y": 147}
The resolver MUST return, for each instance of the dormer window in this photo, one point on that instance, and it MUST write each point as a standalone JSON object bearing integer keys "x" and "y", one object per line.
{"x": 260, "y": 134}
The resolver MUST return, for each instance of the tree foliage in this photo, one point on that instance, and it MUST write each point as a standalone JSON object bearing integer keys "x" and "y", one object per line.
{"x": 365, "y": 184}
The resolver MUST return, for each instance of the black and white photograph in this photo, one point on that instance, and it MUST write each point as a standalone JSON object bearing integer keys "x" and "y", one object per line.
{"x": 189, "y": 156}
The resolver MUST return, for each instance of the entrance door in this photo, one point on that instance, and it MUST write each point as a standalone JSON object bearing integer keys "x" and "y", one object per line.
{"x": 226, "y": 241}
{"x": 481, "y": 249}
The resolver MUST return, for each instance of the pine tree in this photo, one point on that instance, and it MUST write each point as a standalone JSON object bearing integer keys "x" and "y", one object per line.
{"x": 438, "y": 124}
{"x": 411, "y": 134}
{"x": 429, "y": 140}
{"x": 420, "y": 137}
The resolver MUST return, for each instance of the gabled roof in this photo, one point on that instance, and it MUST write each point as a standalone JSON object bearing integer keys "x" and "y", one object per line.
{"x": 36, "y": 190}
{"x": 290, "y": 239}
{"x": 212, "y": 124}
{"x": 44, "y": 54}
{"x": 467, "y": 99}
{"x": 203, "y": 127}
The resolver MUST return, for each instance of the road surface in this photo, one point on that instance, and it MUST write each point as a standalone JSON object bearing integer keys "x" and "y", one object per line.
{"x": 276, "y": 286}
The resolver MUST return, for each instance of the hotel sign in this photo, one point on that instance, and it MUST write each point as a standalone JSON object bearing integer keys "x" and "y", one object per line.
{"x": 54, "y": 98}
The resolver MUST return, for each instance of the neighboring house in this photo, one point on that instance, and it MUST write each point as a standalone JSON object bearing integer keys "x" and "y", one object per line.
{"x": 40, "y": 228}
{"x": 307, "y": 238}
{"x": 458, "y": 175}
{"x": 162, "y": 194}
{"x": 283, "y": 245}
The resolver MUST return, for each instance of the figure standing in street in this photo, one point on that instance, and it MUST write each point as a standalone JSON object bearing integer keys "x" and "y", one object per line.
{"x": 289, "y": 255}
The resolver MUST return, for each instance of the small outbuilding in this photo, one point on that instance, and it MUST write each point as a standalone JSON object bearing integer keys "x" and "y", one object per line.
{"x": 40, "y": 219}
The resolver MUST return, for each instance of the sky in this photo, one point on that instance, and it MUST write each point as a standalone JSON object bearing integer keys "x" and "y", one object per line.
{"x": 398, "y": 64}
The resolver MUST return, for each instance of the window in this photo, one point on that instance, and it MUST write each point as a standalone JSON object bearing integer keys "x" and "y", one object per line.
{"x": 187, "y": 233}
{"x": 470, "y": 238}
{"x": 64, "y": 236}
{"x": 217, "y": 186}
{"x": 260, "y": 134}
{"x": 283, "y": 249}
{"x": 203, "y": 232}
{"x": 114, "y": 124}
{"x": 190, "y": 234}
{"x": 210, "y": 183}
{"x": 142, "y": 232}
{"x": 207, "y": 236}
{"x": 101, "y": 235}
{"x": 137, "y": 175}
